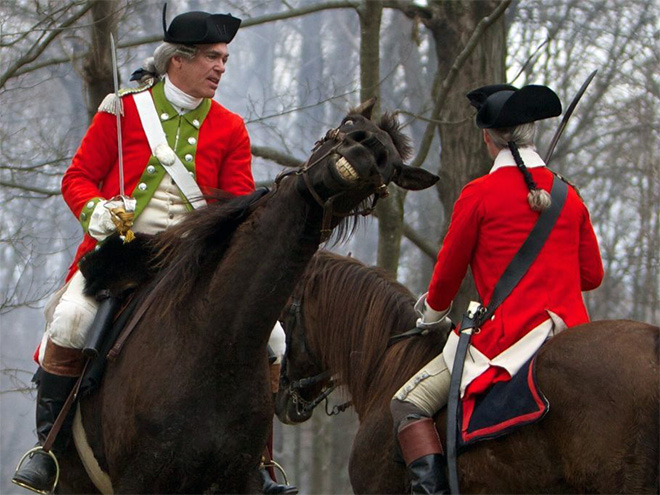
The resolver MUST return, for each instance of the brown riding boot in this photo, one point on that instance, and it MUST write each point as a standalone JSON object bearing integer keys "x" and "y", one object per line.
{"x": 38, "y": 471}
{"x": 425, "y": 460}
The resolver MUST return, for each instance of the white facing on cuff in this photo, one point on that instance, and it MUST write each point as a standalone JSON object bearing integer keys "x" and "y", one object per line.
{"x": 427, "y": 313}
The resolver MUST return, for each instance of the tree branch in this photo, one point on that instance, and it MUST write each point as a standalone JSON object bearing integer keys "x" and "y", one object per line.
{"x": 38, "y": 190}
{"x": 38, "y": 48}
{"x": 144, "y": 40}
{"x": 276, "y": 156}
{"x": 441, "y": 88}
{"x": 426, "y": 247}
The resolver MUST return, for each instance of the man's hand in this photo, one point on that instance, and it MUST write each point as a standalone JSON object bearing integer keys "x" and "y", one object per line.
{"x": 430, "y": 319}
{"x": 111, "y": 216}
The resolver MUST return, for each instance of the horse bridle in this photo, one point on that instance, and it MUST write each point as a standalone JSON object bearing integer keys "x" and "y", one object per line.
{"x": 293, "y": 322}
{"x": 339, "y": 138}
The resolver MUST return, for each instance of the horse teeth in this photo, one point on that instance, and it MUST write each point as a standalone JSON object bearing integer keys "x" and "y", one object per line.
{"x": 346, "y": 170}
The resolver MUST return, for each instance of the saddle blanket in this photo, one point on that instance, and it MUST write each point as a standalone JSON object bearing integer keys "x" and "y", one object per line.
{"x": 503, "y": 408}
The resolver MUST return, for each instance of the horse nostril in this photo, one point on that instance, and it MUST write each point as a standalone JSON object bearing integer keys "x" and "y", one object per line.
{"x": 381, "y": 159}
{"x": 358, "y": 136}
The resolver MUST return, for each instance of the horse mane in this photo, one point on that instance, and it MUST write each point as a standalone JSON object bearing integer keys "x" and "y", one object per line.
{"x": 390, "y": 124}
{"x": 350, "y": 312}
{"x": 200, "y": 241}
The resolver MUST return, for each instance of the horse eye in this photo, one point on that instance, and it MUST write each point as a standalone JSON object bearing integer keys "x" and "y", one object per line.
{"x": 348, "y": 122}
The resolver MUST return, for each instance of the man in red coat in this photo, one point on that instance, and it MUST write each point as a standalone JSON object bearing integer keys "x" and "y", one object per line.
{"x": 491, "y": 219}
{"x": 177, "y": 145}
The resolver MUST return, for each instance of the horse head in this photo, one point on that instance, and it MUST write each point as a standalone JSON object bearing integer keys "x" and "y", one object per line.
{"x": 304, "y": 381}
{"x": 356, "y": 160}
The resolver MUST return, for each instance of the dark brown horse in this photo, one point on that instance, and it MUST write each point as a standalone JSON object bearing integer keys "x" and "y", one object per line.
{"x": 186, "y": 406}
{"x": 600, "y": 435}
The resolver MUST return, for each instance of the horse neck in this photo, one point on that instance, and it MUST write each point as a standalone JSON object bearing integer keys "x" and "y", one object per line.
{"x": 267, "y": 255}
{"x": 349, "y": 327}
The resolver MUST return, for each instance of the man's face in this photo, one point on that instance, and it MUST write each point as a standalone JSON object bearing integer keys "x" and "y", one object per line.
{"x": 200, "y": 76}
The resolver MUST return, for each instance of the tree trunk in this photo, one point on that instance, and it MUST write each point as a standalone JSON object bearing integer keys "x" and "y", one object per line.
{"x": 463, "y": 155}
{"x": 97, "y": 68}
{"x": 390, "y": 212}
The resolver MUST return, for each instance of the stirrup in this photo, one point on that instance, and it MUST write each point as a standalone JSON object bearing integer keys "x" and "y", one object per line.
{"x": 276, "y": 465}
{"x": 24, "y": 458}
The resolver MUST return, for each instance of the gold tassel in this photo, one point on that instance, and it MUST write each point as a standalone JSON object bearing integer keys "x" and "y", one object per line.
{"x": 124, "y": 221}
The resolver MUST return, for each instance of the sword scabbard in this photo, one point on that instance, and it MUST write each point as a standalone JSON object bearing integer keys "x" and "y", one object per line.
{"x": 470, "y": 322}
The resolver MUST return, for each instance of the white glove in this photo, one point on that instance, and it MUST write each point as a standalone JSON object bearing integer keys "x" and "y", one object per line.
{"x": 100, "y": 224}
{"x": 430, "y": 319}
{"x": 103, "y": 223}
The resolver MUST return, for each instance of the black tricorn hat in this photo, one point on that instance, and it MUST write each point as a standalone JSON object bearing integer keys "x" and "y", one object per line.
{"x": 503, "y": 105}
{"x": 197, "y": 27}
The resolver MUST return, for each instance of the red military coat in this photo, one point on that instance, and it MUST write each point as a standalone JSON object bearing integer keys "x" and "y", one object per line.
{"x": 490, "y": 221}
{"x": 211, "y": 141}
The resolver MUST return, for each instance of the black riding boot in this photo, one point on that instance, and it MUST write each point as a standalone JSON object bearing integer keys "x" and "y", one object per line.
{"x": 37, "y": 472}
{"x": 273, "y": 488}
{"x": 424, "y": 457}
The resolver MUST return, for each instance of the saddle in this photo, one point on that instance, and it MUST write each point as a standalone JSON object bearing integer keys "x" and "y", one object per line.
{"x": 503, "y": 408}
{"x": 118, "y": 275}
{"x": 121, "y": 276}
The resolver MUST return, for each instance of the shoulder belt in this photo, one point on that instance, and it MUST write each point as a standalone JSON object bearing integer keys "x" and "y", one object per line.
{"x": 156, "y": 137}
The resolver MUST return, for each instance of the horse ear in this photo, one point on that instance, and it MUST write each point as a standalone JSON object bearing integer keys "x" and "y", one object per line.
{"x": 414, "y": 178}
{"x": 366, "y": 108}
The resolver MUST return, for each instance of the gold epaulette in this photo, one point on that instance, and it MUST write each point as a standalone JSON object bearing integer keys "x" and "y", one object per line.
{"x": 109, "y": 103}
{"x": 577, "y": 191}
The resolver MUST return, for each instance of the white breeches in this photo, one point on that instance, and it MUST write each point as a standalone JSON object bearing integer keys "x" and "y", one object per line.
{"x": 428, "y": 389}
{"x": 72, "y": 316}
{"x": 67, "y": 325}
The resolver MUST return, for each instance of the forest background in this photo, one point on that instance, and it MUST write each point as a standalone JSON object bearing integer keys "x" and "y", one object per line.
{"x": 296, "y": 66}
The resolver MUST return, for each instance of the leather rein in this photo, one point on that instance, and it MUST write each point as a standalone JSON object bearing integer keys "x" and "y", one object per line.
{"x": 295, "y": 320}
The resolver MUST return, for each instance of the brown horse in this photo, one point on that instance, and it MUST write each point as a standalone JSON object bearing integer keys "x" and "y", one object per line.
{"x": 186, "y": 406}
{"x": 602, "y": 380}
